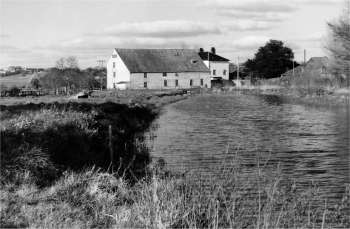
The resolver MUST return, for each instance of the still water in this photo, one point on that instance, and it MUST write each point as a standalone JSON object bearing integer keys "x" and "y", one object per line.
{"x": 309, "y": 144}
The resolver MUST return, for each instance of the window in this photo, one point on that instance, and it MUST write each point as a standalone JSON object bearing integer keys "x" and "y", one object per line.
{"x": 191, "y": 83}
{"x": 113, "y": 64}
{"x": 224, "y": 73}
{"x": 145, "y": 84}
{"x": 176, "y": 83}
{"x": 114, "y": 74}
{"x": 214, "y": 72}
{"x": 164, "y": 74}
{"x": 202, "y": 82}
{"x": 165, "y": 83}
{"x": 176, "y": 74}
{"x": 145, "y": 75}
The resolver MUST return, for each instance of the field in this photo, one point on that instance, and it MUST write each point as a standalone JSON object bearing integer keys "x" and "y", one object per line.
{"x": 18, "y": 80}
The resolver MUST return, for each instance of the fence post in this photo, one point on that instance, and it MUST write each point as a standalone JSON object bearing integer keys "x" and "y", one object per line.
{"x": 110, "y": 147}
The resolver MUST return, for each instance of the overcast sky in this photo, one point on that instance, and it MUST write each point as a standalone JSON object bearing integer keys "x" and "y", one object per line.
{"x": 36, "y": 33}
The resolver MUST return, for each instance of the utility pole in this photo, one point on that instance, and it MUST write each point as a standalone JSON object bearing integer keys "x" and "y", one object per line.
{"x": 101, "y": 65}
{"x": 304, "y": 56}
{"x": 237, "y": 68}
{"x": 348, "y": 67}
{"x": 209, "y": 62}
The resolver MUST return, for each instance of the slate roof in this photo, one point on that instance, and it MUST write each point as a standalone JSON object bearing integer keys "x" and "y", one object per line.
{"x": 162, "y": 60}
{"x": 212, "y": 57}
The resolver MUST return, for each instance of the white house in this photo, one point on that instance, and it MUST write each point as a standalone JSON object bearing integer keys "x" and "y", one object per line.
{"x": 218, "y": 65}
{"x": 156, "y": 69}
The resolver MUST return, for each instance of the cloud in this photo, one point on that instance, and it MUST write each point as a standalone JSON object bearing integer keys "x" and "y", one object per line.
{"x": 262, "y": 17}
{"x": 263, "y": 10}
{"x": 4, "y": 35}
{"x": 254, "y": 5}
{"x": 250, "y": 42}
{"x": 178, "y": 28}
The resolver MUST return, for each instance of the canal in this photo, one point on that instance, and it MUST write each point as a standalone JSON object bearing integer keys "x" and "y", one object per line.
{"x": 311, "y": 145}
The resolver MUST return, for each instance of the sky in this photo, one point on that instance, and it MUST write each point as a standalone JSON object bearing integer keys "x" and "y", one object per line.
{"x": 35, "y": 33}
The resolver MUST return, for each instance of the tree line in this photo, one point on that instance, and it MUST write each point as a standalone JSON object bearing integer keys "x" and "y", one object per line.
{"x": 67, "y": 78}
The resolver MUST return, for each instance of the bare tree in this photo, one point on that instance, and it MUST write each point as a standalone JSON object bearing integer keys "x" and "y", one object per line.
{"x": 61, "y": 63}
{"x": 72, "y": 62}
{"x": 339, "y": 46}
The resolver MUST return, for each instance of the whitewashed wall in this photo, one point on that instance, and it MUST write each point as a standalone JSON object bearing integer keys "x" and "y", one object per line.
{"x": 219, "y": 66}
{"x": 121, "y": 71}
{"x": 156, "y": 80}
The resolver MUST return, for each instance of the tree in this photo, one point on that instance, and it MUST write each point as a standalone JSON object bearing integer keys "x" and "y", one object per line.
{"x": 61, "y": 63}
{"x": 72, "y": 62}
{"x": 339, "y": 47}
{"x": 35, "y": 82}
{"x": 271, "y": 60}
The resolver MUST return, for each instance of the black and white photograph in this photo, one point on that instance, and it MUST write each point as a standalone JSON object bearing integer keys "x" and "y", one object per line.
{"x": 175, "y": 114}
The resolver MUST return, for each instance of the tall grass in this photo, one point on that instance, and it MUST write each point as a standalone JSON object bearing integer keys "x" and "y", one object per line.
{"x": 230, "y": 198}
{"x": 47, "y": 139}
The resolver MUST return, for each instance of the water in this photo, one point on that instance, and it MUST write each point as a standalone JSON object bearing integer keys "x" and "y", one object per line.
{"x": 310, "y": 144}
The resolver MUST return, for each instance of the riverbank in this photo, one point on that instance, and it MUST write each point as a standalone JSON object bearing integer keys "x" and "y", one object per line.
{"x": 43, "y": 138}
{"x": 106, "y": 129}
{"x": 316, "y": 97}
{"x": 93, "y": 198}
{"x": 132, "y": 192}
{"x": 156, "y": 98}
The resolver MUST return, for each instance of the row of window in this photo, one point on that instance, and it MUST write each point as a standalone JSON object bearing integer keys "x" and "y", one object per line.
{"x": 164, "y": 74}
{"x": 223, "y": 72}
{"x": 176, "y": 74}
{"x": 165, "y": 83}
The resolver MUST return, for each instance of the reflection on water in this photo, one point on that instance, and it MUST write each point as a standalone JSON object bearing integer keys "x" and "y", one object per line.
{"x": 310, "y": 144}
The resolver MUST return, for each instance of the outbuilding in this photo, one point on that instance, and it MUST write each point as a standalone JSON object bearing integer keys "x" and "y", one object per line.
{"x": 156, "y": 69}
{"x": 218, "y": 65}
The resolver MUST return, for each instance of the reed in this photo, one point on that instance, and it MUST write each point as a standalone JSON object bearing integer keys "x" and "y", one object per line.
{"x": 232, "y": 197}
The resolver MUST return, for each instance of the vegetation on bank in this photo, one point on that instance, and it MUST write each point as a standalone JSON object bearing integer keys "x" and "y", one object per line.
{"x": 232, "y": 198}
{"x": 48, "y": 139}
{"x": 339, "y": 46}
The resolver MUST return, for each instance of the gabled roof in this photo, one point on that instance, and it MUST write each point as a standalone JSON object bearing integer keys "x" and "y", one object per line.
{"x": 212, "y": 57}
{"x": 317, "y": 62}
{"x": 162, "y": 60}
{"x": 312, "y": 68}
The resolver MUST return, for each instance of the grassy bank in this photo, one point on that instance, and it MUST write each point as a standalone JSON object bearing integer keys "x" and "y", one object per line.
{"x": 232, "y": 198}
{"x": 47, "y": 139}
{"x": 318, "y": 97}
{"x": 155, "y": 98}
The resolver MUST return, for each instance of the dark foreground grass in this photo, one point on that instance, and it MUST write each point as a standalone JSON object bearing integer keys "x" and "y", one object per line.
{"x": 47, "y": 139}
{"x": 231, "y": 199}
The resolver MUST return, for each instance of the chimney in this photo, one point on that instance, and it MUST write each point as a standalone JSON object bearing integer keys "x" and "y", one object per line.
{"x": 201, "y": 50}
{"x": 213, "y": 50}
